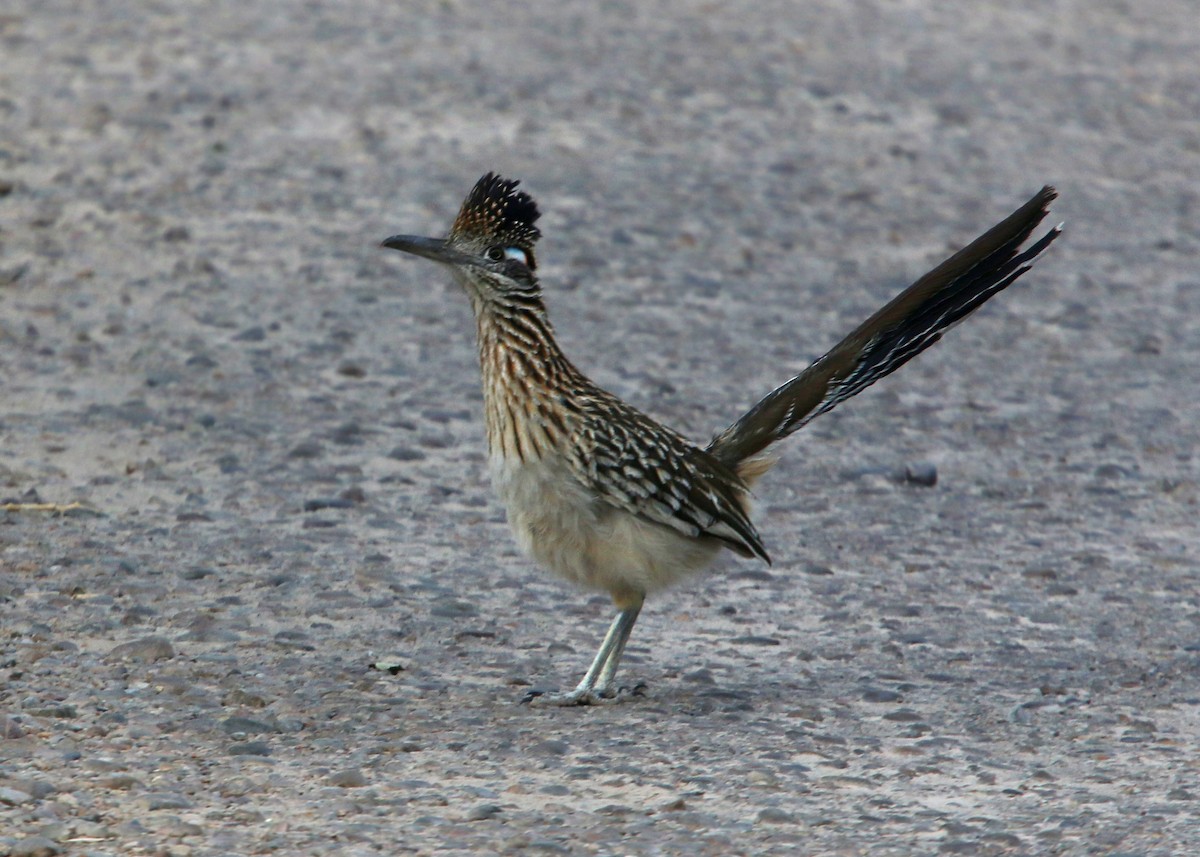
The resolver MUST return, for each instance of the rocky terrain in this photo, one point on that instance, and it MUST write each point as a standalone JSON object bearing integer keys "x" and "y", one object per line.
{"x": 242, "y": 455}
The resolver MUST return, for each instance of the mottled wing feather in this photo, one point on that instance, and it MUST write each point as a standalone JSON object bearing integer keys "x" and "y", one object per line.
{"x": 639, "y": 466}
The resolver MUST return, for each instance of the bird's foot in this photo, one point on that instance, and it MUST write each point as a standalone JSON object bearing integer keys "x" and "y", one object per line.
{"x": 579, "y": 696}
{"x": 583, "y": 695}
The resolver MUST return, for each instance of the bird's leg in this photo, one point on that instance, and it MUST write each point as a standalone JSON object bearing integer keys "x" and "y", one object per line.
{"x": 599, "y": 678}
{"x": 619, "y": 634}
{"x": 596, "y": 686}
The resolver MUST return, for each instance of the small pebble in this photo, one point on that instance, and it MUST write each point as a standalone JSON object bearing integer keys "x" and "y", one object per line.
{"x": 39, "y": 789}
{"x": 63, "y": 712}
{"x": 143, "y": 651}
{"x": 347, "y": 434}
{"x": 902, "y": 715}
{"x": 248, "y": 726}
{"x": 120, "y": 782}
{"x": 307, "y": 449}
{"x": 14, "y": 797}
{"x": 406, "y": 453}
{"x": 9, "y": 728}
{"x": 202, "y": 361}
{"x": 551, "y": 747}
{"x": 754, "y": 640}
{"x": 452, "y": 608}
{"x": 172, "y": 825}
{"x": 240, "y": 696}
{"x": 164, "y": 800}
{"x": 318, "y": 503}
{"x": 351, "y": 778}
{"x": 197, "y": 573}
{"x": 251, "y": 334}
{"x": 250, "y": 748}
{"x": 35, "y": 846}
{"x": 775, "y": 815}
{"x": 483, "y": 812}
{"x": 921, "y": 473}
{"x": 236, "y": 787}
{"x": 1038, "y": 572}
{"x": 389, "y": 665}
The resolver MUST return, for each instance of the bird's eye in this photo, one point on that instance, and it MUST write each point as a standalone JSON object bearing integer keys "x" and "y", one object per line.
{"x": 499, "y": 253}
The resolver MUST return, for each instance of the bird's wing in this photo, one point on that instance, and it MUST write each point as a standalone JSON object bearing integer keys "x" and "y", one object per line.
{"x": 635, "y": 464}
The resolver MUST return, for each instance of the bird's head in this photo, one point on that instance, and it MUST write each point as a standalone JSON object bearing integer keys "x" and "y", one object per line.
{"x": 490, "y": 246}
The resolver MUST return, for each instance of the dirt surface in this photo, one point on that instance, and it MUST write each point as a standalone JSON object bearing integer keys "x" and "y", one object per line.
{"x": 273, "y": 429}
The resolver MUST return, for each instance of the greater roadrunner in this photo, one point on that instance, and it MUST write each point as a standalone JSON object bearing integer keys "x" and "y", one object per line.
{"x": 606, "y": 496}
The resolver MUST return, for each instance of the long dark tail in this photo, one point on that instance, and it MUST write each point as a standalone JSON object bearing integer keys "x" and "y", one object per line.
{"x": 905, "y": 327}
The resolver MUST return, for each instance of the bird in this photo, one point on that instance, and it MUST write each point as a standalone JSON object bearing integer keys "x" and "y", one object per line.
{"x": 604, "y": 495}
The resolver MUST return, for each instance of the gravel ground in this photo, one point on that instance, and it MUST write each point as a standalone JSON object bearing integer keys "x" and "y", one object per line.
{"x": 273, "y": 429}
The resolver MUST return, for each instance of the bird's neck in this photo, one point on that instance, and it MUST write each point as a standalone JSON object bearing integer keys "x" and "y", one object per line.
{"x": 524, "y": 374}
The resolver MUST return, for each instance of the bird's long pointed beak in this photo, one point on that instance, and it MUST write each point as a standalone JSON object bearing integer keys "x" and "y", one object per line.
{"x": 435, "y": 249}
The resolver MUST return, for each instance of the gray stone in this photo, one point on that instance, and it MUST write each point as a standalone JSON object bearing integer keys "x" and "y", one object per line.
{"x": 349, "y": 778}
{"x": 14, "y": 797}
{"x": 164, "y": 800}
{"x": 10, "y": 728}
{"x": 923, "y": 473}
{"x": 249, "y": 726}
{"x": 145, "y": 650}
{"x": 35, "y": 846}
{"x": 483, "y": 812}
{"x": 775, "y": 815}
{"x": 120, "y": 782}
{"x": 250, "y": 748}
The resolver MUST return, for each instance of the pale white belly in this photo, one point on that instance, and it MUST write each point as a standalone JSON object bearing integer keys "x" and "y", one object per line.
{"x": 589, "y": 543}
